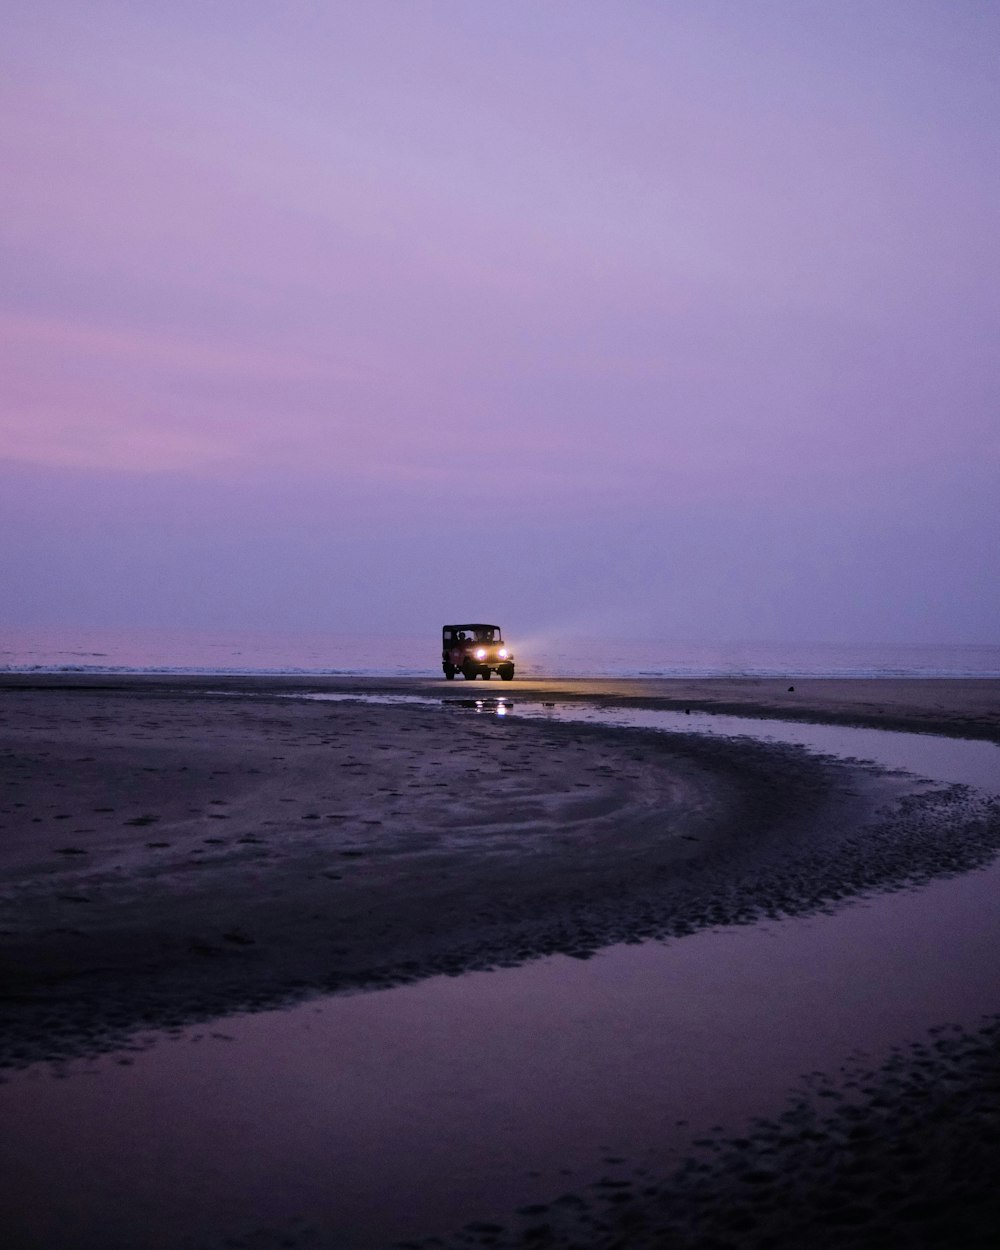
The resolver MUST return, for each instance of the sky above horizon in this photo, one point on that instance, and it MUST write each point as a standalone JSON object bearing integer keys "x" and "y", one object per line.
{"x": 666, "y": 319}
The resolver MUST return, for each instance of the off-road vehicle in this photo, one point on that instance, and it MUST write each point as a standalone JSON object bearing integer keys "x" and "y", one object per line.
{"x": 473, "y": 650}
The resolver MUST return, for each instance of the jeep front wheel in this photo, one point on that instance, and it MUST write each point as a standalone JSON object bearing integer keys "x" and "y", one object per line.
{"x": 469, "y": 671}
{"x": 449, "y": 671}
{"x": 507, "y": 672}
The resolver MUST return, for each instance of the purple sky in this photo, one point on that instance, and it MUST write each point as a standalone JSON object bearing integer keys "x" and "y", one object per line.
{"x": 640, "y": 318}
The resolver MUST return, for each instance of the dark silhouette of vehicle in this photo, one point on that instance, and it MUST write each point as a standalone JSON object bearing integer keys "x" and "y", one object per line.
{"x": 473, "y": 650}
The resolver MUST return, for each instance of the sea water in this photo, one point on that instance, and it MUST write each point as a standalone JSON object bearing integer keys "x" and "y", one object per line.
{"x": 539, "y": 654}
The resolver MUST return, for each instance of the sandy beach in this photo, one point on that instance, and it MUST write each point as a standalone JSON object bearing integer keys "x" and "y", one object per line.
{"x": 177, "y": 849}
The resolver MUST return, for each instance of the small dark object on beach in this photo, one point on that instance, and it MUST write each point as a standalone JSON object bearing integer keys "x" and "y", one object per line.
{"x": 791, "y": 689}
{"x": 687, "y": 711}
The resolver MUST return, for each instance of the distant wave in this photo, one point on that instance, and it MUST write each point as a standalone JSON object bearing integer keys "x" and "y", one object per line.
{"x": 98, "y": 670}
{"x": 249, "y": 653}
{"x": 678, "y": 672}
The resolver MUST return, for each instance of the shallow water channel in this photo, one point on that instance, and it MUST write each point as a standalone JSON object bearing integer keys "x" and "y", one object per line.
{"x": 406, "y": 1112}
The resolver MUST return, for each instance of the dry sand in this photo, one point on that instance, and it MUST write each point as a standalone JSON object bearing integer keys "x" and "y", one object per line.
{"x": 172, "y": 849}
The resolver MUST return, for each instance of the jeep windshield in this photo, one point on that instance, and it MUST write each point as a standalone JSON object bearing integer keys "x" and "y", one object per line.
{"x": 472, "y": 633}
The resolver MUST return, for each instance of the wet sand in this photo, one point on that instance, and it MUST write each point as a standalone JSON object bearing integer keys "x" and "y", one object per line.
{"x": 903, "y": 1156}
{"x": 961, "y": 707}
{"x": 967, "y": 708}
{"x": 173, "y": 849}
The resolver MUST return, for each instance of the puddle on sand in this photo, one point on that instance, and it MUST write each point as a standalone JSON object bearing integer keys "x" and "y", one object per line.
{"x": 410, "y": 1111}
{"x": 387, "y": 700}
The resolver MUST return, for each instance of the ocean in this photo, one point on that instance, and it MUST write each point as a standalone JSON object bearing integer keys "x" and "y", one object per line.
{"x": 96, "y": 650}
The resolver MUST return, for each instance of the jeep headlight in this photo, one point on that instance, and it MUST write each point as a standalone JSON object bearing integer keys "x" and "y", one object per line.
{"x": 502, "y": 653}
{"x": 480, "y": 653}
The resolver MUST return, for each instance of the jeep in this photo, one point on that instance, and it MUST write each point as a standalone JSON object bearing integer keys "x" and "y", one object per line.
{"x": 473, "y": 650}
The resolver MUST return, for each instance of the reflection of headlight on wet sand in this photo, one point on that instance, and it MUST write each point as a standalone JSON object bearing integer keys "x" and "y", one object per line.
{"x": 481, "y": 653}
{"x": 485, "y": 705}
